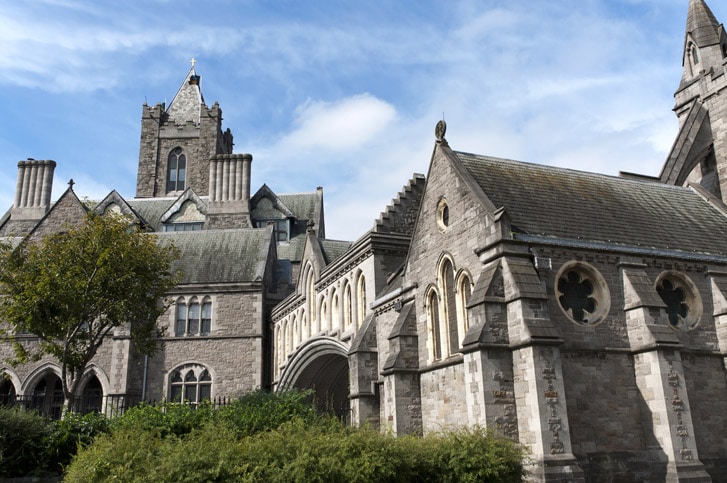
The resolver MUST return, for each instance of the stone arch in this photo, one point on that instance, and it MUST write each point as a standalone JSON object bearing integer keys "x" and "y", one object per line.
{"x": 434, "y": 323}
{"x": 360, "y": 299}
{"x": 321, "y": 364}
{"x": 463, "y": 289}
{"x": 46, "y": 390}
{"x": 448, "y": 307}
{"x": 9, "y": 386}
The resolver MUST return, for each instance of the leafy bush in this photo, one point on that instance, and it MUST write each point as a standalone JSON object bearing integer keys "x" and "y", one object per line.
{"x": 253, "y": 412}
{"x": 70, "y": 433}
{"x": 24, "y": 437}
{"x": 297, "y": 451}
{"x": 32, "y": 445}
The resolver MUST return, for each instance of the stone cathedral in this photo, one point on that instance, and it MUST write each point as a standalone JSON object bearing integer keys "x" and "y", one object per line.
{"x": 583, "y": 315}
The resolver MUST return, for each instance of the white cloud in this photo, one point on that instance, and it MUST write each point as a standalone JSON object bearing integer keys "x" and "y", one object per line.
{"x": 344, "y": 124}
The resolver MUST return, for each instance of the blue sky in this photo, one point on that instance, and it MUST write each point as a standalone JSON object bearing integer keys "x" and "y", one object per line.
{"x": 346, "y": 94}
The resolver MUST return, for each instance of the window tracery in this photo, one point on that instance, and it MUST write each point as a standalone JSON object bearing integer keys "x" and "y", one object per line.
{"x": 191, "y": 383}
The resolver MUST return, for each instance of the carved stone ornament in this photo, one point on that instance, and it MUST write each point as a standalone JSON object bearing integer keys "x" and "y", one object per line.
{"x": 440, "y": 130}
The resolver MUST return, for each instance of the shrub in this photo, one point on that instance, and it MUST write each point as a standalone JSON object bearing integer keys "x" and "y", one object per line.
{"x": 24, "y": 437}
{"x": 298, "y": 451}
{"x": 70, "y": 433}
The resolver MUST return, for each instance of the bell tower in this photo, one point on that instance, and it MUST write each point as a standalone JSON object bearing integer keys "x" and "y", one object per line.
{"x": 178, "y": 141}
{"x": 699, "y": 154}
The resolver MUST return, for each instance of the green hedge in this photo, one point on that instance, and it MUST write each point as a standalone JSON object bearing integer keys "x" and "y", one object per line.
{"x": 32, "y": 445}
{"x": 297, "y": 451}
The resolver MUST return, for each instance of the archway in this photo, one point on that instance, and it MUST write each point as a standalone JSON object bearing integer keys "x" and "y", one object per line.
{"x": 321, "y": 365}
{"x": 48, "y": 396}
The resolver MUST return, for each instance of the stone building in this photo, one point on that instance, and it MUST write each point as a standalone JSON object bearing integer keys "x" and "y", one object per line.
{"x": 583, "y": 315}
{"x": 239, "y": 255}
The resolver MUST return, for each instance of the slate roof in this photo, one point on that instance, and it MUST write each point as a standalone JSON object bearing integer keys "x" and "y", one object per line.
{"x": 302, "y": 205}
{"x": 291, "y": 250}
{"x": 568, "y": 204}
{"x": 333, "y": 249}
{"x": 220, "y": 256}
{"x": 151, "y": 209}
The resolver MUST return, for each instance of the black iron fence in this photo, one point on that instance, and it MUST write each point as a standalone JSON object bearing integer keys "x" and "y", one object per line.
{"x": 115, "y": 404}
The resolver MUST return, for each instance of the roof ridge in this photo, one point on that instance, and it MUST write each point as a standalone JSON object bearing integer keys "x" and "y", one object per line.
{"x": 589, "y": 174}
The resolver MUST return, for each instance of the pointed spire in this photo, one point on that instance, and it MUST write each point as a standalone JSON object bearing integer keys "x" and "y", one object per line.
{"x": 702, "y": 24}
{"x": 187, "y": 103}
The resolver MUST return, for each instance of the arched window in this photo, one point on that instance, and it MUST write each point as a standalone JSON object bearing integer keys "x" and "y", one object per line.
{"x": 7, "y": 393}
{"x": 180, "y": 326}
{"x": 464, "y": 290}
{"x": 335, "y": 312}
{"x": 347, "y": 306}
{"x": 304, "y": 328}
{"x": 279, "y": 347}
{"x": 695, "y": 55}
{"x": 191, "y": 384}
{"x": 450, "y": 305}
{"x": 296, "y": 333}
{"x": 360, "y": 300}
{"x": 324, "y": 316}
{"x": 92, "y": 396}
{"x": 311, "y": 293}
{"x": 193, "y": 319}
{"x": 434, "y": 325}
{"x": 288, "y": 336}
{"x": 176, "y": 169}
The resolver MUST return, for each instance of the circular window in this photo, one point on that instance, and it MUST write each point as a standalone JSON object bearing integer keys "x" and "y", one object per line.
{"x": 442, "y": 214}
{"x": 582, "y": 293}
{"x": 683, "y": 303}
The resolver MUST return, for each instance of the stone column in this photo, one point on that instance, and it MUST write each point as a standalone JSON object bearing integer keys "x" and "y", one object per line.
{"x": 538, "y": 384}
{"x": 660, "y": 376}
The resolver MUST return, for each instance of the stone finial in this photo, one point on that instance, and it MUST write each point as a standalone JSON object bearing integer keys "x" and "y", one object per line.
{"x": 310, "y": 225}
{"x": 440, "y": 130}
{"x": 71, "y": 183}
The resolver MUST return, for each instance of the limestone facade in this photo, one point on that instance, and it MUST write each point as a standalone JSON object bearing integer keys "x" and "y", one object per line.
{"x": 582, "y": 315}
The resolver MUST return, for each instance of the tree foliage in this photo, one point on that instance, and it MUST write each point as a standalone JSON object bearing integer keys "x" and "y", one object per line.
{"x": 72, "y": 288}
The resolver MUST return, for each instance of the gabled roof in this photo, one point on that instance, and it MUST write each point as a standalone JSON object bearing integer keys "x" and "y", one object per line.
{"x": 568, "y": 204}
{"x": 115, "y": 199}
{"x": 221, "y": 256}
{"x": 187, "y": 102}
{"x": 702, "y": 24}
{"x": 187, "y": 195}
{"x": 277, "y": 209}
{"x": 333, "y": 249}
{"x": 151, "y": 210}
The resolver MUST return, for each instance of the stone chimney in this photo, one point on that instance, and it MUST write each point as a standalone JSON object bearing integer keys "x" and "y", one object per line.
{"x": 229, "y": 193}
{"x": 33, "y": 189}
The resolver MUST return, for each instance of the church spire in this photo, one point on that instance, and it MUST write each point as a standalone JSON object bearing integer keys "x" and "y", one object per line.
{"x": 705, "y": 44}
{"x": 702, "y": 24}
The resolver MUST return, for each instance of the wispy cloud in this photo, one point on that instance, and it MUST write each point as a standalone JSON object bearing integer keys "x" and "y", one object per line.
{"x": 346, "y": 95}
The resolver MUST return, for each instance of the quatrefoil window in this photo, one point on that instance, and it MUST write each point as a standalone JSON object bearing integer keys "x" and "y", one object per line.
{"x": 675, "y": 300}
{"x": 582, "y": 293}
{"x": 577, "y": 296}
{"x": 682, "y": 300}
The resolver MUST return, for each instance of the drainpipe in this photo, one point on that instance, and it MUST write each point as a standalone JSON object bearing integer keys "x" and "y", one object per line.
{"x": 143, "y": 381}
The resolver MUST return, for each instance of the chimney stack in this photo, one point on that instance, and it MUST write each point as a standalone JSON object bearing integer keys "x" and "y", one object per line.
{"x": 33, "y": 189}
{"x": 229, "y": 193}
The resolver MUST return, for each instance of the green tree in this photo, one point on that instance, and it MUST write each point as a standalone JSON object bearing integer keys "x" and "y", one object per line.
{"x": 72, "y": 288}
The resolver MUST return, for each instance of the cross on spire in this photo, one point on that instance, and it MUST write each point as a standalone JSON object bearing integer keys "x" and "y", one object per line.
{"x": 193, "y": 61}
